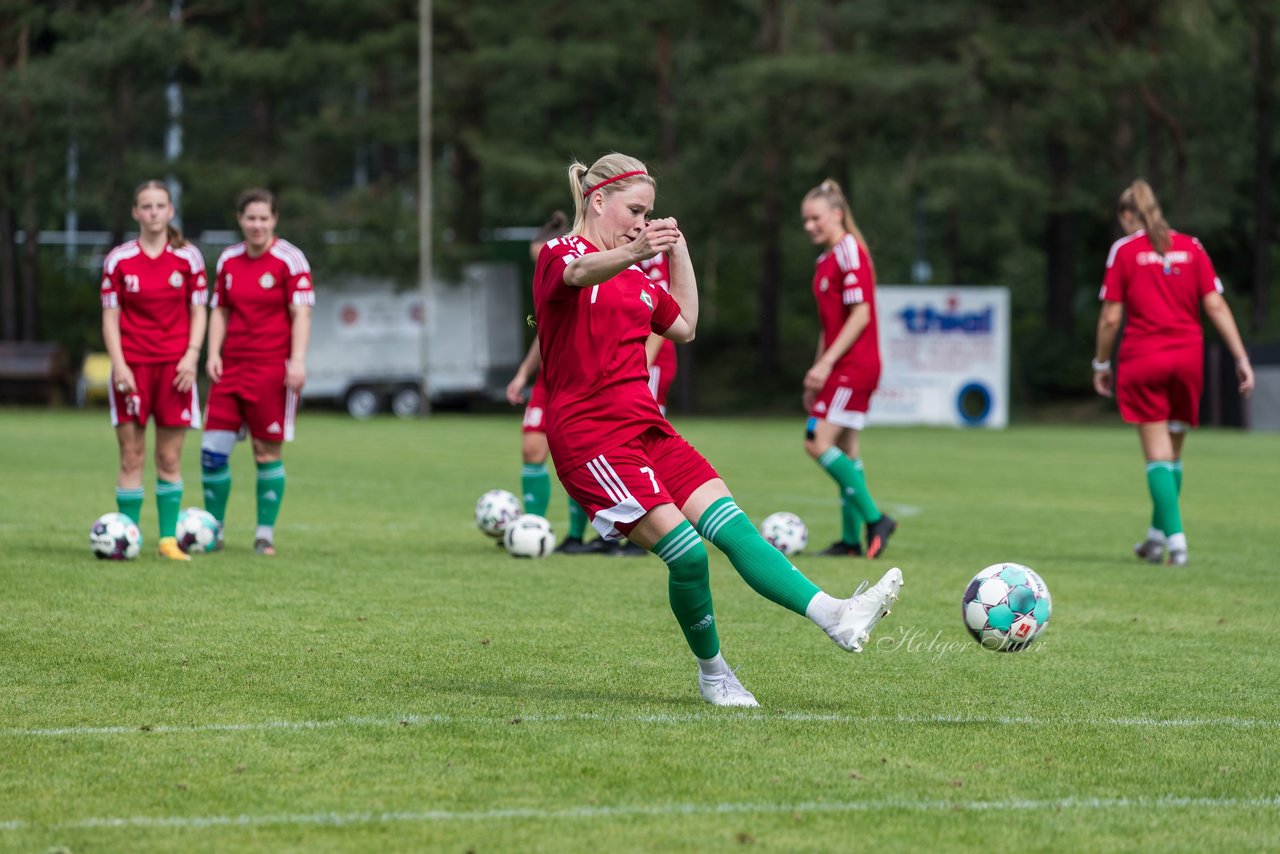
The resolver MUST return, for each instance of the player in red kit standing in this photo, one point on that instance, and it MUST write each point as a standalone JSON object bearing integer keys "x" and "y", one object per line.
{"x": 846, "y": 370}
{"x": 258, "y": 335}
{"x": 1157, "y": 280}
{"x": 153, "y": 322}
{"x": 614, "y": 451}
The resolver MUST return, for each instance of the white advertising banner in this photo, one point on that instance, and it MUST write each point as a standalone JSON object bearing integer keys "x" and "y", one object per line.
{"x": 945, "y": 354}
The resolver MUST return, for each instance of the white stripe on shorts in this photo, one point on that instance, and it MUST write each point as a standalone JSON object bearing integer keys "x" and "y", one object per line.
{"x": 841, "y": 417}
{"x": 625, "y": 507}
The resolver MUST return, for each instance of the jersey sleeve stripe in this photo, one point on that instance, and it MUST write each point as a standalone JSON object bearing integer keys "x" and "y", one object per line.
{"x": 192, "y": 256}
{"x": 1115, "y": 247}
{"x": 120, "y": 253}
{"x": 304, "y": 298}
{"x": 229, "y": 253}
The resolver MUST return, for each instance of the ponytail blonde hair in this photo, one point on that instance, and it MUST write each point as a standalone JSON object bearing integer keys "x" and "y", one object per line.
{"x": 830, "y": 191}
{"x": 176, "y": 240}
{"x": 583, "y": 178}
{"x": 1140, "y": 200}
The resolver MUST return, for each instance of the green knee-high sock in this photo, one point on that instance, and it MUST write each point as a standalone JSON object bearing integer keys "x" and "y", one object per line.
{"x": 536, "y": 485}
{"x": 762, "y": 566}
{"x": 216, "y": 483}
{"x": 168, "y": 503}
{"x": 853, "y": 485}
{"x": 129, "y": 501}
{"x": 689, "y": 588}
{"x": 1164, "y": 497}
{"x": 1177, "y": 483}
{"x": 577, "y": 519}
{"x": 270, "y": 491}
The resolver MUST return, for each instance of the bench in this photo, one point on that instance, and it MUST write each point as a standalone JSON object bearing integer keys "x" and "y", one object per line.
{"x": 34, "y": 372}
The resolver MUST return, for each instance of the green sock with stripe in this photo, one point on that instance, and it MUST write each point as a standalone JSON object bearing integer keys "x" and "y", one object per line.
{"x": 270, "y": 491}
{"x": 535, "y": 483}
{"x": 689, "y": 588}
{"x": 1164, "y": 497}
{"x": 848, "y": 474}
{"x": 763, "y": 567}
{"x": 168, "y": 504}
{"x": 577, "y": 520}
{"x": 216, "y": 484}
{"x": 129, "y": 502}
{"x": 1177, "y": 483}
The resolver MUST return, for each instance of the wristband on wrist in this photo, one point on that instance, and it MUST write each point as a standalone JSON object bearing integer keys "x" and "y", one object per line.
{"x": 1101, "y": 366}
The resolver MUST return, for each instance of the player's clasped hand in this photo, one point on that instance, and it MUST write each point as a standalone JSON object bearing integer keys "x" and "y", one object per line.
{"x": 660, "y": 235}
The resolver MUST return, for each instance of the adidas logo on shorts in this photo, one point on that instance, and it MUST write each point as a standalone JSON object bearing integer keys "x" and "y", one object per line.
{"x": 273, "y": 427}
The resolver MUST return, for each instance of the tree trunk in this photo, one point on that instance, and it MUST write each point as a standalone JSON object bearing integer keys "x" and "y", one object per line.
{"x": 30, "y": 260}
{"x": 1059, "y": 243}
{"x": 8, "y": 278}
{"x": 771, "y": 227}
{"x": 1264, "y": 74}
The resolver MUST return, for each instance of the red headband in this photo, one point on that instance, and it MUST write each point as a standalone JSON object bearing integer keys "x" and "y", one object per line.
{"x": 587, "y": 194}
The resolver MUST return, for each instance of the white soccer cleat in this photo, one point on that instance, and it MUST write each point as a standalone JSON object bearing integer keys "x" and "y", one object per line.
{"x": 860, "y": 612}
{"x": 726, "y": 691}
{"x": 1177, "y": 557}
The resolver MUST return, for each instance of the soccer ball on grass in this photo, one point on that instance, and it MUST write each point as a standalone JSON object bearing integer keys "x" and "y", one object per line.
{"x": 495, "y": 510}
{"x": 1006, "y": 607}
{"x": 197, "y": 531}
{"x": 785, "y": 532}
{"x": 114, "y": 536}
{"x": 529, "y": 536}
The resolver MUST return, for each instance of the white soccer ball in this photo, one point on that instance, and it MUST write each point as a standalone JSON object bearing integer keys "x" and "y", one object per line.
{"x": 495, "y": 510}
{"x": 529, "y": 536}
{"x": 1006, "y": 606}
{"x": 197, "y": 531}
{"x": 785, "y": 532}
{"x": 114, "y": 536}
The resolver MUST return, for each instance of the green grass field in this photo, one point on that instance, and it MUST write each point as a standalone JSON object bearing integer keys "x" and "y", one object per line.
{"x": 394, "y": 682}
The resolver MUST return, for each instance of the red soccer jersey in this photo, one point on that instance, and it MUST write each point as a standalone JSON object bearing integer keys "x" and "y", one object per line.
{"x": 593, "y": 362}
{"x": 842, "y": 278}
{"x": 154, "y": 296}
{"x": 658, "y": 269}
{"x": 1161, "y": 293}
{"x": 257, "y": 293}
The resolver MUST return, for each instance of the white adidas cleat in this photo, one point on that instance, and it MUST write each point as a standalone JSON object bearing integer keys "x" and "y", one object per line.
{"x": 727, "y": 691}
{"x": 860, "y": 612}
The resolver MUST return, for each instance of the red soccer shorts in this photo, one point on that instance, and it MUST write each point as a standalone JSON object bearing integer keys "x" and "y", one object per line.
{"x": 844, "y": 401}
{"x": 535, "y": 412}
{"x": 1164, "y": 386}
{"x": 253, "y": 393}
{"x": 620, "y": 486}
{"x": 156, "y": 397}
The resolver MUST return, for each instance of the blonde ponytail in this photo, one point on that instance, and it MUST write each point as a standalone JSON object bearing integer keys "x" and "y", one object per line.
{"x": 829, "y": 190}
{"x": 1140, "y": 200}
{"x": 605, "y": 176}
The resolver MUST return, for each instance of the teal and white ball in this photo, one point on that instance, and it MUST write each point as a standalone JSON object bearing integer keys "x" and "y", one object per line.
{"x": 114, "y": 536}
{"x": 495, "y": 510}
{"x": 1006, "y": 607}
{"x": 197, "y": 531}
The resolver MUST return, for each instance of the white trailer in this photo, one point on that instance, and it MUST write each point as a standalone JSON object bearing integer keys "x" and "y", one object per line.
{"x": 366, "y": 341}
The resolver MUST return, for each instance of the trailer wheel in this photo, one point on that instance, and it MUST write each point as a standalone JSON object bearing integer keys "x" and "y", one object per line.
{"x": 363, "y": 403}
{"x": 406, "y": 402}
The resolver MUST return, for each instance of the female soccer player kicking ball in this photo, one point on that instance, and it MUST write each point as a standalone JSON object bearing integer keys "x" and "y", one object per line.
{"x": 1157, "y": 280}
{"x": 615, "y": 453}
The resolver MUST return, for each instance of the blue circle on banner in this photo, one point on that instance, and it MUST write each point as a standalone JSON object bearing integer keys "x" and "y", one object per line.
{"x": 973, "y": 404}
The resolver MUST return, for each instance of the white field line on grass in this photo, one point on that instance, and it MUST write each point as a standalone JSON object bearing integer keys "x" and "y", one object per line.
{"x": 333, "y": 819}
{"x": 589, "y": 717}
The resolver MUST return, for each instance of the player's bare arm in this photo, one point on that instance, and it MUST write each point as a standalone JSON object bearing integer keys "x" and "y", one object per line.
{"x": 816, "y": 377}
{"x": 296, "y": 375}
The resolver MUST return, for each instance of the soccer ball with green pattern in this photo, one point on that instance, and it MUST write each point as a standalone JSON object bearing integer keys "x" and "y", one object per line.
{"x": 529, "y": 536}
{"x": 1006, "y": 607}
{"x": 197, "y": 531}
{"x": 114, "y": 536}
{"x": 496, "y": 509}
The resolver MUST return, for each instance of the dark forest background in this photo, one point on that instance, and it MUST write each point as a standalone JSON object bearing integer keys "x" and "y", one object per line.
{"x": 980, "y": 142}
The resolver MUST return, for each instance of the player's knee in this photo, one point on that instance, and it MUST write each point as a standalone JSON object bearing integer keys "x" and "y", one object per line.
{"x": 168, "y": 464}
{"x": 691, "y": 566}
{"x": 215, "y": 449}
{"x": 533, "y": 451}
